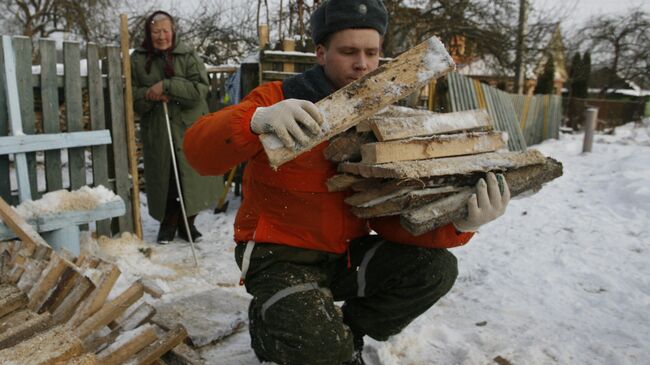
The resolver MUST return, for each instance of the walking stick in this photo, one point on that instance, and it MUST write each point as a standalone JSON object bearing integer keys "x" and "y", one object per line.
{"x": 178, "y": 184}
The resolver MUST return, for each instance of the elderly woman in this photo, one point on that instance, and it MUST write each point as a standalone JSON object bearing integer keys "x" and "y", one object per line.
{"x": 165, "y": 70}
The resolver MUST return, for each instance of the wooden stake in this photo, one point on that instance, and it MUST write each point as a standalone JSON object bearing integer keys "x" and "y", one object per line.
{"x": 120, "y": 351}
{"x": 130, "y": 123}
{"x": 364, "y": 97}
{"x": 96, "y": 299}
{"x": 160, "y": 347}
{"x": 20, "y": 227}
{"x": 111, "y": 310}
{"x": 25, "y": 330}
{"x": 46, "y": 284}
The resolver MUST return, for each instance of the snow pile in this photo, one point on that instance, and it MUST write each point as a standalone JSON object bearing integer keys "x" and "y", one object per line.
{"x": 85, "y": 198}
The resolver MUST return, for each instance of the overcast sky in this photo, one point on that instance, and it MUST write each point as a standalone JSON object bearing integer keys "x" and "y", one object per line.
{"x": 578, "y": 11}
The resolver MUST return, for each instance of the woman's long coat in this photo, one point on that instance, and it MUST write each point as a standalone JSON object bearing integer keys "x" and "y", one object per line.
{"x": 187, "y": 91}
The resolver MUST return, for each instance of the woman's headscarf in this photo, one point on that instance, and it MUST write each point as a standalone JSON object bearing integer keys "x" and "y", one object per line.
{"x": 166, "y": 55}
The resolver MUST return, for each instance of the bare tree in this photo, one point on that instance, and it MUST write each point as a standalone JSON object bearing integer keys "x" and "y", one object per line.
{"x": 32, "y": 18}
{"x": 622, "y": 44}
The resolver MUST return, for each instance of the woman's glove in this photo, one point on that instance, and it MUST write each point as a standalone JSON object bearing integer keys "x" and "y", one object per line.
{"x": 488, "y": 204}
{"x": 289, "y": 120}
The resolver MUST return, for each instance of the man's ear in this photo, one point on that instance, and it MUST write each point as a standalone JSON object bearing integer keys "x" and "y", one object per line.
{"x": 320, "y": 54}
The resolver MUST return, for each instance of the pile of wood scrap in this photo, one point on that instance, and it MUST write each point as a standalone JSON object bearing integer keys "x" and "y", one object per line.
{"x": 423, "y": 166}
{"x": 55, "y": 309}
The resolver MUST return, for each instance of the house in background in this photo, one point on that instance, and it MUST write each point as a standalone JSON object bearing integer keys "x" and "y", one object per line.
{"x": 488, "y": 70}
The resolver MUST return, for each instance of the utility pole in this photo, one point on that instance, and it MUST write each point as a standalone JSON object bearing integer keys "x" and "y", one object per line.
{"x": 522, "y": 29}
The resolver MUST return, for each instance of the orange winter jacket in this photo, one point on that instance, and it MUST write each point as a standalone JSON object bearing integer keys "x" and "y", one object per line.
{"x": 290, "y": 206}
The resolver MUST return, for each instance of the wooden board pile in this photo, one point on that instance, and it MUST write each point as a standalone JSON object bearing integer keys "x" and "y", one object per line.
{"x": 55, "y": 309}
{"x": 423, "y": 166}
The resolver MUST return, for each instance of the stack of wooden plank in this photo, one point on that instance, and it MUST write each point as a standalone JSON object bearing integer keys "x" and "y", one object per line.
{"x": 423, "y": 166}
{"x": 55, "y": 309}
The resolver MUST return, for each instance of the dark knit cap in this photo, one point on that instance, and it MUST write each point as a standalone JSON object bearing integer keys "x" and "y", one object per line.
{"x": 334, "y": 15}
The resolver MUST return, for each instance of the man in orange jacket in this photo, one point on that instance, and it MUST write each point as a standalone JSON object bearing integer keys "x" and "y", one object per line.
{"x": 299, "y": 247}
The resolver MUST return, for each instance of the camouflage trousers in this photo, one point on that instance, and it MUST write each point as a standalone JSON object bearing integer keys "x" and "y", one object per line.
{"x": 383, "y": 286}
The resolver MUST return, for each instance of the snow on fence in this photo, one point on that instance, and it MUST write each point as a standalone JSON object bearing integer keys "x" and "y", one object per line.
{"x": 63, "y": 108}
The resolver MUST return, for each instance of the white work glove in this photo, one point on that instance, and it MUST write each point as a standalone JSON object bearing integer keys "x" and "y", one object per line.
{"x": 295, "y": 122}
{"x": 488, "y": 204}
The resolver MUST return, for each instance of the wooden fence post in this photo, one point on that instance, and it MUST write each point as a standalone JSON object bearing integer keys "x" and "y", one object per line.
{"x": 591, "y": 114}
{"x": 130, "y": 123}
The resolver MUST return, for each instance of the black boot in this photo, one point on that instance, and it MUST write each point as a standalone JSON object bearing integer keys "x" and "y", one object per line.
{"x": 182, "y": 232}
{"x": 167, "y": 230}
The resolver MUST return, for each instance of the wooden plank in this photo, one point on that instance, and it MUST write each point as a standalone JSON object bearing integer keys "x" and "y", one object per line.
{"x": 97, "y": 122}
{"x": 446, "y": 210}
{"x": 33, "y": 270}
{"x": 160, "y": 347}
{"x": 361, "y": 99}
{"x": 347, "y": 146}
{"x": 394, "y": 205}
{"x": 130, "y": 124}
{"x": 18, "y": 225}
{"x": 10, "y": 302}
{"x": 73, "y": 112}
{"x": 99, "y": 342}
{"x": 341, "y": 182}
{"x": 25, "y": 330}
{"x": 52, "y": 141}
{"x": 15, "y": 123}
{"x": 111, "y": 310}
{"x": 63, "y": 311}
{"x": 151, "y": 288}
{"x": 16, "y": 318}
{"x": 143, "y": 313}
{"x": 5, "y": 173}
{"x": 47, "y": 282}
{"x": 460, "y": 165}
{"x": 116, "y": 97}
{"x": 393, "y": 128}
{"x": 51, "y": 222}
{"x": 96, "y": 299}
{"x": 50, "y": 107}
{"x": 183, "y": 354}
{"x": 23, "y": 50}
{"x": 444, "y": 145}
{"x": 127, "y": 345}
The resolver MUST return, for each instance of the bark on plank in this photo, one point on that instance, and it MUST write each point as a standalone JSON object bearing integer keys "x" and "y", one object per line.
{"x": 25, "y": 330}
{"x": 111, "y": 310}
{"x": 55, "y": 345}
{"x": 341, "y": 182}
{"x": 127, "y": 344}
{"x": 446, "y": 145}
{"x": 67, "y": 283}
{"x": 397, "y": 205}
{"x": 160, "y": 347}
{"x": 361, "y": 99}
{"x": 347, "y": 146}
{"x": 399, "y": 127}
{"x": 446, "y": 210}
{"x": 460, "y": 165}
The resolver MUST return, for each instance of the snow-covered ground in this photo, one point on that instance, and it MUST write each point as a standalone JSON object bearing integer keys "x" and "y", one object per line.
{"x": 562, "y": 278}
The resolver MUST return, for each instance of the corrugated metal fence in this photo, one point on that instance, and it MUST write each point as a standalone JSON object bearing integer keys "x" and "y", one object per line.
{"x": 527, "y": 119}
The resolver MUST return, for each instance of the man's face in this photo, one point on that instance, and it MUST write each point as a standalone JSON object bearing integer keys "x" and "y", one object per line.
{"x": 162, "y": 34}
{"x": 351, "y": 54}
